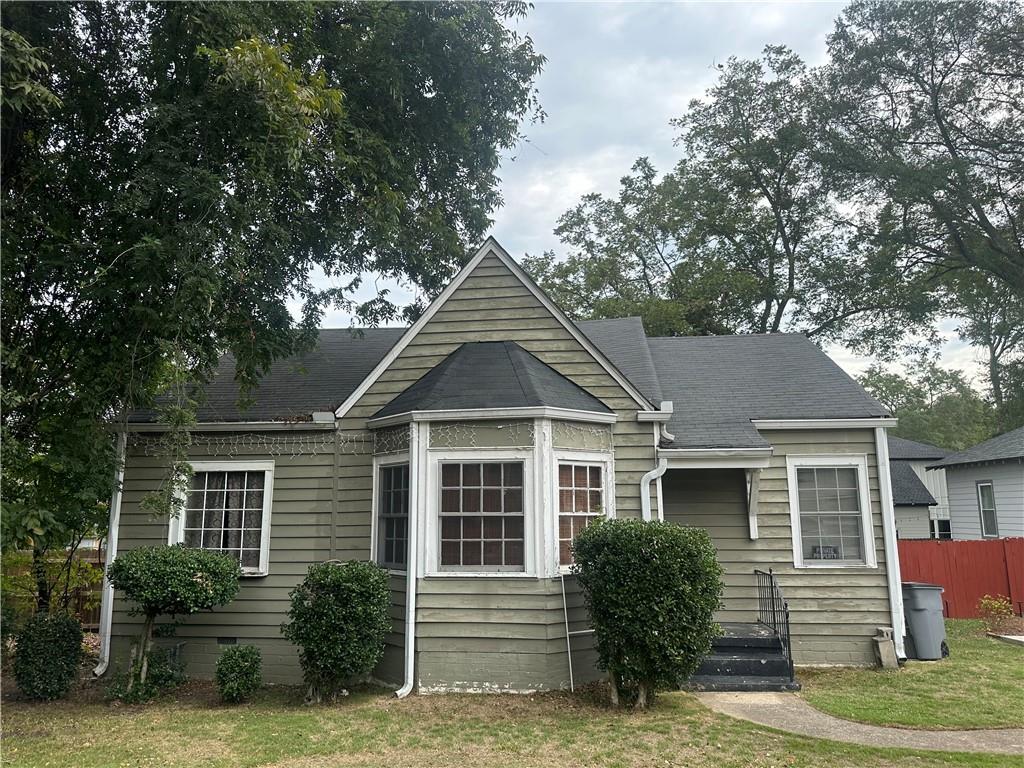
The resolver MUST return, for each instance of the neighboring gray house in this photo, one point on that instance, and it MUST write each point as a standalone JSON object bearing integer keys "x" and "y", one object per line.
{"x": 986, "y": 488}
{"x": 919, "y": 496}
{"x": 465, "y": 452}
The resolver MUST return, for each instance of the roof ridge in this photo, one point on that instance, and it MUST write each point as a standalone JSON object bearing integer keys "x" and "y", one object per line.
{"x": 527, "y": 391}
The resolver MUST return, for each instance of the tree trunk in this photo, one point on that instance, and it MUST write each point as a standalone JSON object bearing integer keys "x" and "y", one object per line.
{"x": 613, "y": 681}
{"x": 42, "y": 583}
{"x": 143, "y": 661}
{"x": 995, "y": 377}
{"x": 641, "y": 696}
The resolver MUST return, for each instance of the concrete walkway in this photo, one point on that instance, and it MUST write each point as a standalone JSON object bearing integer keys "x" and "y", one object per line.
{"x": 788, "y": 712}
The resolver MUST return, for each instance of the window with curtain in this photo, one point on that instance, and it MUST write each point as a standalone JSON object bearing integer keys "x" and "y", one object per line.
{"x": 224, "y": 512}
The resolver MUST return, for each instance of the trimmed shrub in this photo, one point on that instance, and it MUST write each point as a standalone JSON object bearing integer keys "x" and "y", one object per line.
{"x": 171, "y": 581}
{"x": 652, "y": 589}
{"x": 338, "y": 619}
{"x": 239, "y": 673}
{"x": 48, "y": 653}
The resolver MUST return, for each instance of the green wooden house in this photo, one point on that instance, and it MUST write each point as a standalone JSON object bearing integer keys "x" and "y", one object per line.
{"x": 464, "y": 453}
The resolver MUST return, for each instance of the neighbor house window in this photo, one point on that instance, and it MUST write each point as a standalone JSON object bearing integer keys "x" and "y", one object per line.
{"x": 482, "y": 516}
{"x": 831, "y": 514}
{"x": 580, "y": 502}
{"x": 393, "y": 516}
{"x": 987, "y": 510}
{"x": 941, "y": 529}
{"x": 227, "y": 510}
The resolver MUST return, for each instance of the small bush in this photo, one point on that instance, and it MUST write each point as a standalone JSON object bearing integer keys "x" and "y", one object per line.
{"x": 996, "y": 612}
{"x": 652, "y": 589}
{"x": 48, "y": 653}
{"x": 238, "y": 673}
{"x": 338, "y": 619}
{"x": 171, "y": 581}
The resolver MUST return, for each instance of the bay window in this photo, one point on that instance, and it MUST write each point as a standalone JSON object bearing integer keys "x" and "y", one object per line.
{"x": 482, "y": 516}
{"x": 580, "y": 502}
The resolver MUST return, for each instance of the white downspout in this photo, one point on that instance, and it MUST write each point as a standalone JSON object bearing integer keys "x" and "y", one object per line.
{"x": 417, "y": 470}
{"x": 892, "y": 554}
{"x": 107, "y": 606}
{"x": 645, "y": 487}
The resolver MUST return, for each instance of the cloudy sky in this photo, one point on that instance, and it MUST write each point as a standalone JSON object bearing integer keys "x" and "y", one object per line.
{"x": 617, "y": 73}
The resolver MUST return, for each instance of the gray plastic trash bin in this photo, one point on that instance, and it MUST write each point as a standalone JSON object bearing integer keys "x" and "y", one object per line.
{"x": 922, "y": 606}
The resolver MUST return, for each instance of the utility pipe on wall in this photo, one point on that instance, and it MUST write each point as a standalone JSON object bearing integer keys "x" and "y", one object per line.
{"x": 645, "y": 488}
{"x": 417, "y": 471}
{"x": 107, "y": 606}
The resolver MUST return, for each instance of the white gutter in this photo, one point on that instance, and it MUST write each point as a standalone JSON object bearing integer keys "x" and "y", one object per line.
{"x": 417, "y": 472}
{"x": 240, "y": 426}
{"x": 645, "y": 488}
{"x": 892, "y": 554}
{"x": 107, "y": 606}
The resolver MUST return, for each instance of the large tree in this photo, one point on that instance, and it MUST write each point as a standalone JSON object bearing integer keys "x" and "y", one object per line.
{"x": 934, "y": 405}
{"x": 744, "y": 234}
{"x": 173, "y": 173}
{"x": 927, "y": 127}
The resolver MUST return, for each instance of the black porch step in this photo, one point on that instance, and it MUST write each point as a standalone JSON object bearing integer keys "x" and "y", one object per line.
{"x": 745, "y": 636}
{"x": 740, "y": 683}
{"x": 757, "y": 663}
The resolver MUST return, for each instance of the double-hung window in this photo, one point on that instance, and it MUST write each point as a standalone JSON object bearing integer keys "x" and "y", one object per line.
{"x": 580, "y": 502}
{"x": 482, "y": 517}
{"x": 393, "y": 516}
{"x": 227, "y": 510}
{"x": 987, "y": 510}
{"x": 831, "y": 513}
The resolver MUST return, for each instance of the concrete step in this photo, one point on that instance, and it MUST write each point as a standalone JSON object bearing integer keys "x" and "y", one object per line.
{"x": 758, "y": 664}
{"x": 740, "y": 683}
{"x": 745, "y": 636}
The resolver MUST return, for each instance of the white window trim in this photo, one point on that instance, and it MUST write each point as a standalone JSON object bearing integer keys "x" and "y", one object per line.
{"x": 591, "y": 458}
{"x": 531, "y": 510}
{"x": 856, "y": 461}
{"x": 981, "y": 513}
{"x": 379, "y": 462}
{"x": 176, "y": 527}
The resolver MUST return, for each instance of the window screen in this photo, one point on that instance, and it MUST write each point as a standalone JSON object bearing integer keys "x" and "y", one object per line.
{"x": 482, "y": 516}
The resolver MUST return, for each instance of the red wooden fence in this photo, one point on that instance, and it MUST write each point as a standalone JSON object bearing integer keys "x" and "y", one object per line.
{"x": 967, "y": 570}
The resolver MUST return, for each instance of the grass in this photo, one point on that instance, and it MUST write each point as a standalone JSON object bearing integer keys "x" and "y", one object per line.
{"x": 980, "y": 685}
{"x": 374, "y": 729}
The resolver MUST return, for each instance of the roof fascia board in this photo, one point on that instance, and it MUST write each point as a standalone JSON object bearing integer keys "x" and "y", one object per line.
{"x": 491, "y": 246}
{"x": 488, "y": 414}
{"x": 716, "y": 458}
{"x": 238, "y": 426}
{"x": 824, "y": 423}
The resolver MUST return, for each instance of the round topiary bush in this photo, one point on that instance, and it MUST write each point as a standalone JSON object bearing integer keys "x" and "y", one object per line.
{"x": 652, "y": 589}
{"x": 49, "y": 650}
{"x": 238, "y": 674}
{"x": 171, "y": 581}
{"x": 338, "y": 619}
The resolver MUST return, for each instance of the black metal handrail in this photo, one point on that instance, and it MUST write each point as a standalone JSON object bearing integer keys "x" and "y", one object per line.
{"x": 773, "y": 612}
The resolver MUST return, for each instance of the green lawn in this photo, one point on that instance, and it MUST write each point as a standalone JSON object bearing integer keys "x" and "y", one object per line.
{"x": 374, "y": 729}
{"x": 980, "y": 685}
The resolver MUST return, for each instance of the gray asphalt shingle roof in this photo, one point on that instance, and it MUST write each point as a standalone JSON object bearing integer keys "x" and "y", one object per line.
{"x": 319, "y": 380}
{"x": 491, "y": 374}
{"x": 901, "y": 448}
{"x": 907, "y": 488}
{"x": 719, "y": 383}
{"x": 1009, "y": 445}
